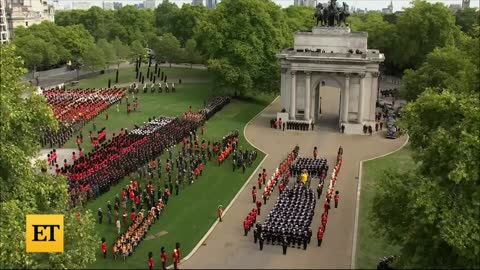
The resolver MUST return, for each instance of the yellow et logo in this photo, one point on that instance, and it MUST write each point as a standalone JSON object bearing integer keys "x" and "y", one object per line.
{"x": 44, "y": 233}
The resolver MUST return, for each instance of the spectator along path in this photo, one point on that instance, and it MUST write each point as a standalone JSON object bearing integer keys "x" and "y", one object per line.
{"x": 227, "y": 241}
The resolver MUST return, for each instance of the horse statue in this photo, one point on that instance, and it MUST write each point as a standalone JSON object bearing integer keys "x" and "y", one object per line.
{"x": 332, "y": 19}
{"x": 320, "y": 13}
{"x": 343, "y": 14}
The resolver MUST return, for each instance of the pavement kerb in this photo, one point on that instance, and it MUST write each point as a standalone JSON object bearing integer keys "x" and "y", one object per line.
{"x": 199, "y": 244}
{"x": 357, "y": 206}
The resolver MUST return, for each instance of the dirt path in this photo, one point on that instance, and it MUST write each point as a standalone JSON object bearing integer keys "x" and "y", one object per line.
{"x": 226, "y": 247}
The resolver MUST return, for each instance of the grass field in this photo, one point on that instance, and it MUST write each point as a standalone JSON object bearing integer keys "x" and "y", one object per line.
{"x": 371, "y": 246}
{"x": 188, "y": 216}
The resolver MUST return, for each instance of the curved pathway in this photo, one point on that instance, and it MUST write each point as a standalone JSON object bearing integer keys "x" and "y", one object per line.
{"x": 226, "y": 247}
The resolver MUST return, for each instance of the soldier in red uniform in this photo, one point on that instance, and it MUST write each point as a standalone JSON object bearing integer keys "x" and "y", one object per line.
{"x": 104, "y": 248}
{"x": 326, "y": 206}
{"x": 163, "y": 254}
{"x": 254, "y": 194}
{"x": 150, "y": 260}
{"x": 246, "y": 226}
{"x": 175, "y": 259}
{"x": 264, "y": 176}
{"x": 336, "y": 198}
{"x": 260, "y": 181}
{"x": 315, "y": 152}
{"x": 320, "y": 235}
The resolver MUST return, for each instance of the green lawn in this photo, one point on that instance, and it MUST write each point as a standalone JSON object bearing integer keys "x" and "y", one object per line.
{"x": 188, "y": 216}
{"x": 371, "y": 246}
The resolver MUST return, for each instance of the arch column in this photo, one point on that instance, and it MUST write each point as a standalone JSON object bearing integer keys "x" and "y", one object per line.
{"x": 293, "y": 96}
{"x": 308, "y": 97}
{"x": 345, "y": 98}
{"x": 361, "y": 99}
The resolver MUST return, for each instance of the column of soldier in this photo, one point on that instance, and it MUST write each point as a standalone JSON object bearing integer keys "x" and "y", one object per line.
{"x": 152, "y": 76}
{"x": 289, "y": 221}
{"x": 282, "y": 173}
{"x": 336, "y": 196}
{"x": 298, "y": 125}
{"x": 138, "y": 197}
{"x": 74, "y": 108}
{"x": 94, "y": 173}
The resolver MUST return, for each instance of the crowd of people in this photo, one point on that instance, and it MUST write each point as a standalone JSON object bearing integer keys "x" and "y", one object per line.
{"x": 214, "y": 105}
{"x": 289, "y": 220}
{"x": 291, "y": 124}
{"x": 74, "y": 108}
{"x": 317, "y": 167}
{"x": 127, "y": 242}
{"x": 93, "y": 174}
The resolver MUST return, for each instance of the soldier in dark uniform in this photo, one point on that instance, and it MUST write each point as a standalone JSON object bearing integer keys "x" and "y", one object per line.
{"x": 260, "y": 240}
{"x": 284, "y": 244}
{"x": 255, "y": 234}
{"x": 305, "y": 239}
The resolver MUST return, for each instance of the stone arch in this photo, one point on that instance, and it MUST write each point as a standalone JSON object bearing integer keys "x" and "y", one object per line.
{"x": 331, "y": 79}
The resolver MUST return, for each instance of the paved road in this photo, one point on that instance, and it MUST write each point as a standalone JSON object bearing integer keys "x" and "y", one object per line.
{"x": 226, "y": 247}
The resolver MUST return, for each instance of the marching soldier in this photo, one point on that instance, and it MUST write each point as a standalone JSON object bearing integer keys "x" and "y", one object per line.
{"x": 260, "y": 240}
{"x": 284, "y": 244}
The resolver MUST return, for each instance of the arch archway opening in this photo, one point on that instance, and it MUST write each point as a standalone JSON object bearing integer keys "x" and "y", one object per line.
{"x": 326, "y": 100}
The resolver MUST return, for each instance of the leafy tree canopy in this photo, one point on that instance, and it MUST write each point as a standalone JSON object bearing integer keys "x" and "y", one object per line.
{"x": 241, "y": 39}
{"x": 25, "y": 188}
{"x": 299, "y": 18}
{"x": 419, "y": 30}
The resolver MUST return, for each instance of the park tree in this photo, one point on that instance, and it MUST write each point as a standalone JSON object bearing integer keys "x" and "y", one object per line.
{"x": 467, "y": 18}
{"x": 299, "y": 18}
{"x": 443, "y": 68}
{"x": 168, "y": 49}
{"x": 26, "y": 188}
{"x": 121, "y": 51}
{"x": 432, "y": 211}
{"x": 165, "y": 17}
{"x": 381, "y": 33}
{"x": 241, "y": 39}
{"x": 190, "y": 53}
{"x": 137, "y": 50}
{"x": 186, "y": 20}
{"x": 69, "y": 17}
{"x": 98, "y": 22}
{"x": 419, "y": 30}
{"x": 136, "y": 24}
{"x": 93, "y": 58}
{"x": 67, "y": 43}
{"x": 108, "y": 51}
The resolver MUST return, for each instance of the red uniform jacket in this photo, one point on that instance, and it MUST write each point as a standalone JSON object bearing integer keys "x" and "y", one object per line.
{"x": 320, "y": 234}
{"x": 326, "y": 206}
{"x": 150, "y": 263}
{"x": 164, "y": 257}
{"x": 104, "y": 247}
{"x": 246, "y": 224}
{"x": 336, "y": 197}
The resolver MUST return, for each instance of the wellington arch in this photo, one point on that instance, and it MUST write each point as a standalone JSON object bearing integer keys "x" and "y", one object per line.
{"x": 337, "y": 55}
